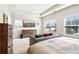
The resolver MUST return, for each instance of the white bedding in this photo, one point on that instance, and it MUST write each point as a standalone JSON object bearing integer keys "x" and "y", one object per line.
{"x": 59, "y": 45}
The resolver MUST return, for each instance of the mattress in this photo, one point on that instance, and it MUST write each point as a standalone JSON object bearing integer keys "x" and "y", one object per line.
{"x": 59, "y": 45}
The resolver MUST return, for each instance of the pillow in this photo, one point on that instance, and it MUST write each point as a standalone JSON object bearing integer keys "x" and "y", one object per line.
{"x": 39, "y": 35}
{"x": 47, "y": 34}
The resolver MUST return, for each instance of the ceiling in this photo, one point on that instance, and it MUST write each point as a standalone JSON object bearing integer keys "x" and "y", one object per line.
{"x": 28, "y": 10}
{"x": 31, "y": 8}
{"x": 32, "y": 11}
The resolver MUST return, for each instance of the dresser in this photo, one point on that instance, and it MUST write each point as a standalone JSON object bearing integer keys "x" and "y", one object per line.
{"x": 6, "y": 38}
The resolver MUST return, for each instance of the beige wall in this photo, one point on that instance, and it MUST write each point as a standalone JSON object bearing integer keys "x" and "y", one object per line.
{"x": 1, "y": 16}
{"x": 4, "y": 9}
{"x": 59, "y": 16}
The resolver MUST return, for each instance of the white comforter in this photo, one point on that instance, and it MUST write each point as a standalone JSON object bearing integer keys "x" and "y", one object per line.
{"x": 60, "y": 45}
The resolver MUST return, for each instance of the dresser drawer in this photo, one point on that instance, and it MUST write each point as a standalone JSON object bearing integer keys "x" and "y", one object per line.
{"x": 10, "y": 36}
{"x": 10, "y": 27}
{"x": 10, "y": 42}
{"x": 3, "y": 50}
{"x": 3, "y": 44}
{"x": 10, "y": 49}
{"x": 10, "y": 31}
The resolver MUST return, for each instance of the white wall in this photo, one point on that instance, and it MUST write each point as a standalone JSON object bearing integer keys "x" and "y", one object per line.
{"x": 37, "y": 22}
{"x": 38, "y": 25}
{"x": 17, "y": 28}
{"x": 1, "y": 14}
{"x": 60, "y": 17}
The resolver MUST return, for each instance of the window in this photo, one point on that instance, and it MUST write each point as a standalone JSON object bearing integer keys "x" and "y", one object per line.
{"x": 50, "y": 25}
{"x": 72, "y": 25}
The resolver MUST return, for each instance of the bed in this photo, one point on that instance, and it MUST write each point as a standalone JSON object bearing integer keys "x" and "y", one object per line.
{"x": 59, "y": 45}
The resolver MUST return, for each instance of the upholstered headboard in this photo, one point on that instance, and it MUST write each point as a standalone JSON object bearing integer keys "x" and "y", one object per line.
{"x": 26, "y": 33}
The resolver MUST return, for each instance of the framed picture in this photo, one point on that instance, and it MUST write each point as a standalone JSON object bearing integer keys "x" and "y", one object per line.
{"x": 28, "y": 24}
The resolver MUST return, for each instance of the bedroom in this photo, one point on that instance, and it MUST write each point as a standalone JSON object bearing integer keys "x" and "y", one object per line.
{"x": 41, "y": 28}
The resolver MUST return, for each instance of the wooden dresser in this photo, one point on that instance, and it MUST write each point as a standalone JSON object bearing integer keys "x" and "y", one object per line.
{"x": 6, "y": 38}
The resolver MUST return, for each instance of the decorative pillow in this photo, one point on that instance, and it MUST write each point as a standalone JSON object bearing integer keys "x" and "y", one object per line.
{"x": 39, "y": 35}
{"x": 47, "y": 34}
